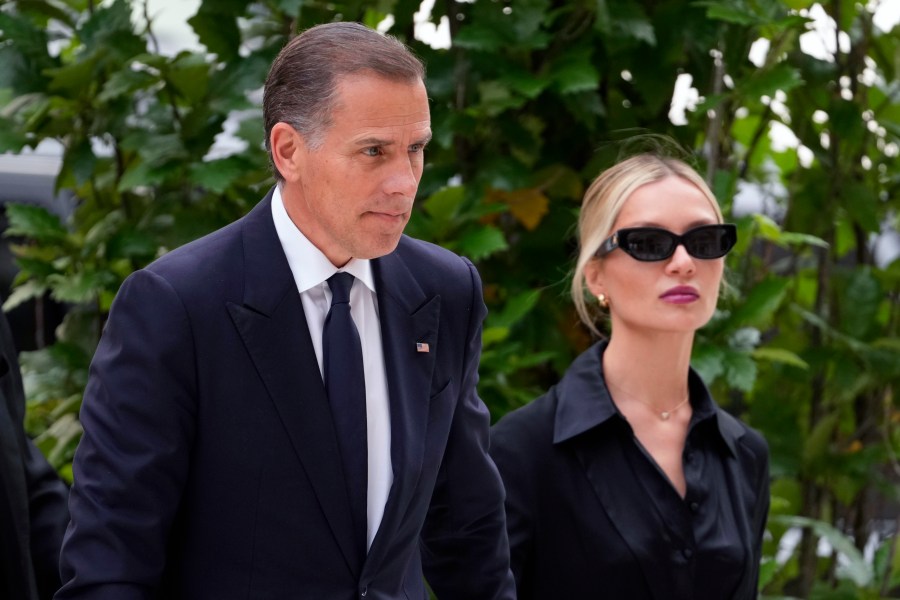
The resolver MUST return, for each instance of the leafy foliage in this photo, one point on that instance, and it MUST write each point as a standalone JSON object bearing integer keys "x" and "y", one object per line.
{"x": 530, "y": 102}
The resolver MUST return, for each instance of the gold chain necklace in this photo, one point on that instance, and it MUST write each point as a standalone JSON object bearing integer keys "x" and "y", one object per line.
{"x": 664, "y": 415}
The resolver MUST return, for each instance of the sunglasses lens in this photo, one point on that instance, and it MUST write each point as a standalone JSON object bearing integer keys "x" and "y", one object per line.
{"x": 649, "y": 244}
{"x": 709, "y": 242}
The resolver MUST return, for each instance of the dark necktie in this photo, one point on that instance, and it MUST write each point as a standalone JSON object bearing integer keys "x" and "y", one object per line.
{"x": 346, "y": 387}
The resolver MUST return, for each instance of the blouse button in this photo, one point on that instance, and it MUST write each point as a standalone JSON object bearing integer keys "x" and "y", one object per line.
{"x": 688, "y": 553}
{"x": 694, "y": 506}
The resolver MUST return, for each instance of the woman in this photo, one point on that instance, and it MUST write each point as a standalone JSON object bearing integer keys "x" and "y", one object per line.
{"x": 625, "y": 480}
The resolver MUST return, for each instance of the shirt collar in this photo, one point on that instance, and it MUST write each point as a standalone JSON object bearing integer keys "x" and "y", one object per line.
{"x": 309, "y": 265}
{"x": 585, "y": 403}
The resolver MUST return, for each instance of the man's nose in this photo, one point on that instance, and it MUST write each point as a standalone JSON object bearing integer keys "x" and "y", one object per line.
{"x": 403, "y": 178}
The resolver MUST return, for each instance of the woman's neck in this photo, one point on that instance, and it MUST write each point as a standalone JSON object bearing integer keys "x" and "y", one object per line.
{"x": 652, "y": 369}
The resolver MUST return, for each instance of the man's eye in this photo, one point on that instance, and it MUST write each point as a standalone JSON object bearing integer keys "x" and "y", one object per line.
{"x": 372, "y": 151}
{"x": 417, "y": 148}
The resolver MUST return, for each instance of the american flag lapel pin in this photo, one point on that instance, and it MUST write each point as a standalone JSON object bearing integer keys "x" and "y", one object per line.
{"x": 422, "y": 347}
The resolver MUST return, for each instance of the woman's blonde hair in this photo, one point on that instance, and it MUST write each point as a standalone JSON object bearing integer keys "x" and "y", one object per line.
{"x": 602, "y": 204}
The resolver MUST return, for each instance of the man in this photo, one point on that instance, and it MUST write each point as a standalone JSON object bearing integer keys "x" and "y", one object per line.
{"x": 229, "y": 448}
{"x": 33, "y": 513}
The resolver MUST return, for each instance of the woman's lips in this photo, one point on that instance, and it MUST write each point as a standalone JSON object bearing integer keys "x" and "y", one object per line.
{"x": 682, "y": 294}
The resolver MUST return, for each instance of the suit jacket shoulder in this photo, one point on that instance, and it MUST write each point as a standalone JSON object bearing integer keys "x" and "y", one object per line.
{"x": 437, "y": 269}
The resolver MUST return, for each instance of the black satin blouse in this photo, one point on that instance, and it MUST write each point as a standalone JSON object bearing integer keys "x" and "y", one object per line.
{"x": 591, "y": 515}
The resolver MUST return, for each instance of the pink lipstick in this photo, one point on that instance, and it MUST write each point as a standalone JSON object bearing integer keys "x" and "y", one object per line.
{"x": 682, "y": 294}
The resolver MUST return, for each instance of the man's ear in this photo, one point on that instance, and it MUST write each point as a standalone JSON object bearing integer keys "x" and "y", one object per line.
{"x": 288, "y": 149}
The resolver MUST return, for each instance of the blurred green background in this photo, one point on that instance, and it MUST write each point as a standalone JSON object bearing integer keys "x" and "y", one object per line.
{"x": 789, "y": 108}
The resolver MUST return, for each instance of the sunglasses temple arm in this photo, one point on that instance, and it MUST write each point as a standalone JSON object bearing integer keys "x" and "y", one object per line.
{"x": 610, "y": 244}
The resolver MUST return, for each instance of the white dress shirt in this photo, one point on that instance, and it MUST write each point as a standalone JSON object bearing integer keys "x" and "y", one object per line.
{"x": 311, "y": 270}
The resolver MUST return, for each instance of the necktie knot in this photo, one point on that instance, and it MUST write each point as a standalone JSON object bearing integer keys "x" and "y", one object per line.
{"x": 340, "y": 284}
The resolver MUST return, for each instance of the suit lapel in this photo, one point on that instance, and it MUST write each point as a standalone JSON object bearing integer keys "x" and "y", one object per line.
{"x": 407, "y": 317}
{"x": 273, "y": 326}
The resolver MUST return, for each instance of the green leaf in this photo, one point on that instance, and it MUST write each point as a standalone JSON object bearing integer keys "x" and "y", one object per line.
{"x": 154, "y": 148}
{"x": 79, "y": 287}
{"x": 104, "y": 229}
{"x": 189, "y": 74}
{"x": 80, "y": 161}
{"x": 767, "y": 569}
{"x": 846, "y": 120}
{"x": 444, "y": 204}
{"x": 130, "y": 244}
{"x": 35, "y": 267}
{"x": 516, "y": 308}
{"x": 290, "y": 7}
{"x": 492, "y": 335}
{"x": 253, "y": 132}
{"x": 23, "y": 293}
{"x": 761, "y": 303}
{"x": 125, "y": 83}
{"x": 730, "y": 12}
{"x": 71, "y": 356}
{"x": 780, "y": 355}
{"x": 767, "y": 229}
{"x": 47, "y": 9}
{"x": 791, "y": 238}
{"x": 638, "y": 29}
{"x": 818, "y": 442}
{"x": 575, "y": 72}
{"x": 61, "y": 437}
{"x": 523, "y": 82}
{"x": 478, "y": 36}
{"x": 602, "y": 20}
{"x": 217, "y": 31}
{"x": 11, "y": 139}
{"x": 496, "y": 98}
{"x": 765, "y": 82}
{"x": 862, "y": 204}
{"x": 482, "y": 242}
{"x": 138, "y": 174}
{"x": 856, "y": 567}
{"x": 861, "y": 300}
{"x": 23, "y": 62}
{"x": 75, "y": 78}
{"x": 34, "y": 222}
{"x": 709, "y": 361}
{"x": 218, "y": 175}
{"x": 817, "y": 321}
{"x": 108, "y": 33}
{"x": 740, "y": 370}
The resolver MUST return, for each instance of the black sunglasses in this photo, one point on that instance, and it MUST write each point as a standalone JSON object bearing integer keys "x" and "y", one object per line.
{"x": 653, "y": 243}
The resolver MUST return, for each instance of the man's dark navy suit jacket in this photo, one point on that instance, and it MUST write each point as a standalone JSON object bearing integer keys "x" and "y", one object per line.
{"x": 209, "y": 467}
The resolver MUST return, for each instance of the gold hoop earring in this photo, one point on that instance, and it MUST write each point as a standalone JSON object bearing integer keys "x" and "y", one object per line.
{"x": 603, "y": 300}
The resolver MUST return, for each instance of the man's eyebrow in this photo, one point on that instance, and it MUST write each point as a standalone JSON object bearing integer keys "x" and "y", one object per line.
{"x": 374, "y": 141}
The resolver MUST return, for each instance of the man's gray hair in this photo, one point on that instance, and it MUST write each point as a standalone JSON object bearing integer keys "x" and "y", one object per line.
{"x": 302, "y": 84}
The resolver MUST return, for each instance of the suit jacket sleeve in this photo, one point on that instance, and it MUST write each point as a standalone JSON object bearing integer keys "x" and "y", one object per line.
{"x": 131, "y": 465}
{"x": 46, "y": 493}
{"x": 47, "y": 497}
{"x": 464, "y": 545}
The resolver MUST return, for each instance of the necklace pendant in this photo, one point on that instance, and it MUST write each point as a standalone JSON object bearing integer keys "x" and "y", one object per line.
{"x": 664, "y": 415}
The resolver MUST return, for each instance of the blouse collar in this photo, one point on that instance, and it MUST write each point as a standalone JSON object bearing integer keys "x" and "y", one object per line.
{"x": 585, "y": 403}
